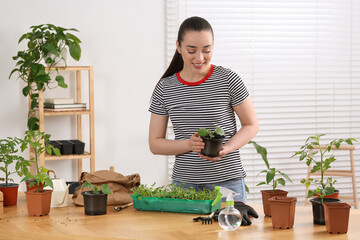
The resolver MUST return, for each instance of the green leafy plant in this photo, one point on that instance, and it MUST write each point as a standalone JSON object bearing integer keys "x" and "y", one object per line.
{"x": 218, "y": 133}
{"x": 39, "y": 142}
{"x": 44, "y": 42}
{"x": 324, "y": 186}
{"x": 174, "y": 191}
{"x": 273, "y": 176}
{"x": 8, "y": 156}
{"x": 95, "y": 190}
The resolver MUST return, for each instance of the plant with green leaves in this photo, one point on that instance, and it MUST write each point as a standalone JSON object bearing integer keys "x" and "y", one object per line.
{"x": 39, "y": 142}
{"x": 8, "y": 156}
{"x": 174, "y": 191}
{"x": 105, "y": 189}
{"x": 273, "y": 176}
{"x": 218, "y": 133}
{"x": 324, "y": 186}
{"x": 46, "y": 42}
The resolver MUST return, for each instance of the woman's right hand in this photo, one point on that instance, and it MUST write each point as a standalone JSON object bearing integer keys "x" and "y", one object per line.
{"x": 196, "y": 143}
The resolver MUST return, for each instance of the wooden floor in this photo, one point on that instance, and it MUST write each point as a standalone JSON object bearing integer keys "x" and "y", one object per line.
{"x": 71, "y": 223}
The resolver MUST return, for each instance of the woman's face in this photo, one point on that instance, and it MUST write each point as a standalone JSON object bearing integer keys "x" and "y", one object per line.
{"x": 196, "y": 51}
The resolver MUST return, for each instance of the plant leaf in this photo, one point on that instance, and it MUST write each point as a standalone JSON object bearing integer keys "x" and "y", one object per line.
{"x": 75, "y": 50}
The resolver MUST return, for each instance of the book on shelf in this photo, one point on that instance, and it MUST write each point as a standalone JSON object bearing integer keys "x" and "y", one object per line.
{"x": 72, "y": 105}
{"x": 59, "y": 100}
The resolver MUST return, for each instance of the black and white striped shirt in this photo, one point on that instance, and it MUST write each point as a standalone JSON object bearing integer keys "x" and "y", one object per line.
{"x": 204, "y": 104}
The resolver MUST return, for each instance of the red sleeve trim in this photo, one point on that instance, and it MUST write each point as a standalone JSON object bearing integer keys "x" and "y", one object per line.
{"x": 198, "y": 82}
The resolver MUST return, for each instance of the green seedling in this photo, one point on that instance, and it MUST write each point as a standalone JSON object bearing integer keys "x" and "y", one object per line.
{"x": 204, "y": 132}
{"x": 95, "y": 190}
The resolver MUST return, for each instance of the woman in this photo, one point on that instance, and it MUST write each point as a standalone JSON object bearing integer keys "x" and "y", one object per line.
{"x": 196, "y": 94}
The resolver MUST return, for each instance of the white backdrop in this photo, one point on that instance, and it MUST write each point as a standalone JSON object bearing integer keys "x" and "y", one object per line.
{"x": 124, "y": 41}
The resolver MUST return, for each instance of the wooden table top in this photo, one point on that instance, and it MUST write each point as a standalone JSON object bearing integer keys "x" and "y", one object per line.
{"x": 71, "y": 223}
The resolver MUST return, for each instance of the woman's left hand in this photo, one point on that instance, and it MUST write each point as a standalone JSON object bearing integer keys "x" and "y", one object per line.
{"x": 224, "y": 150}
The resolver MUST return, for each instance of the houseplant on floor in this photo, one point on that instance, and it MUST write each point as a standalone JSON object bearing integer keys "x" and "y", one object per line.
{"x": 324, "y": 186}
{"x": 95, "y": 200}
{"x": 8, "y": 156}
{"x": 273, "y": 177}
{"x": 43, "y": 40}
{"x": 38, "y": 199}
{"x": 213, "y": 141}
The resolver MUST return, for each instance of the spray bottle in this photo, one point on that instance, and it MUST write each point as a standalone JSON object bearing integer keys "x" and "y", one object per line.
{"x": 230, "y": 218}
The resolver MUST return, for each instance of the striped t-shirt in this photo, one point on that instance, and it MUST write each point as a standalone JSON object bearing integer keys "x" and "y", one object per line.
{"x": 203, "y": 104}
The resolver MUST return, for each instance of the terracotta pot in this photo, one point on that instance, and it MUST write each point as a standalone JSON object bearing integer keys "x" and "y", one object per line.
{"x": 38, "y": 203}
{"x": 334, "y": 195}
{"x": 34, "y": 187}
{"x": 266, "y": 194}
{"x": 10, "y": 192}
{"x": 336, "y": 216}
{"x": 283, "y": 211}
{"x": 318, "y": 209}
{"x": 94, "y": 204}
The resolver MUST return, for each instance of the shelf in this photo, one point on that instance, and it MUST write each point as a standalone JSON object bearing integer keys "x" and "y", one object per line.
{"x": 66, "y": 112}
{"x": 71, "y": 156}
{"x": 70, "y": 68}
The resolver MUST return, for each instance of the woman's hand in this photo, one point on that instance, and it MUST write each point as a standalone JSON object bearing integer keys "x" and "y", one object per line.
{"x": 196, "y": 143}
{"x": 224, "y": 150}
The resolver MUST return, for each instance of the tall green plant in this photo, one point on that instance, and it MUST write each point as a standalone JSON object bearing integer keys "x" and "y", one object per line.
{"x": 324, "y": 186}
{"x": 43, "y": 40}
{"x": 273, "y": 176}
{"x": 8, "y": 156}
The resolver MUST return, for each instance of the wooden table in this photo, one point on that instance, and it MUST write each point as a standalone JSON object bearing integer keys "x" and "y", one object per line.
{"x": 71, "y": 223}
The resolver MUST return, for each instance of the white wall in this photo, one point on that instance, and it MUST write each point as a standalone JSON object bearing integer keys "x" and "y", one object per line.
{"x": 124, "y": 41}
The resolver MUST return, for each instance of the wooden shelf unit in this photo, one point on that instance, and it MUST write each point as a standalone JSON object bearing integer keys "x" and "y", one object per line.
{"x": 42, "y": 113}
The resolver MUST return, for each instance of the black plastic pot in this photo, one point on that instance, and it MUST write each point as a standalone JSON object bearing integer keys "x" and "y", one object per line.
{"x": 94, "y": 204}
{"x": 55, "y": 144}
{"x": 78, "y": 146}
{"x": 212, "y": 146}
{"x": 66, "y": 147}
{"x": 73, "y": 186}
{"x": 318, "y": 209}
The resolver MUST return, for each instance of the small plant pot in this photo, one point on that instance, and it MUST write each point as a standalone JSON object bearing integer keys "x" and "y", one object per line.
{"x": 266, "y": 194}
{"x": 55, "y": 144}
{"x": 334, "y": 195}
{"x": 66, "y": 147}
{"x": 212, "y": 146}
{"x": 318, "y": 209}
{"x": 283, "y": 211}
{"x": 10, "y": 193}
{"x": 78, "y": 146}
{"x": 38, "y": 203}
{"x": 336, "y": 217}
{"x": 94, "y": 204}
{"x": 34, "y": 187}
{"x": 73, "y": 186}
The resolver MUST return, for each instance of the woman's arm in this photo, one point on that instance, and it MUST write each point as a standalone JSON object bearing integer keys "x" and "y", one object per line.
{"x": 160, "y": 145}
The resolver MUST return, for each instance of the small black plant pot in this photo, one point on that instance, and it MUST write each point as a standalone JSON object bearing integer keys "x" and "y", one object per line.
{"x": 73, "y": 186}
{"x": 66, "y": 147}
{"x": 318, "y": 209}
{"x": 94, "y": 204}
{"x": 78, "y": 146}
{"x": 212, "y": 146}
{"x": 55, "y": 144}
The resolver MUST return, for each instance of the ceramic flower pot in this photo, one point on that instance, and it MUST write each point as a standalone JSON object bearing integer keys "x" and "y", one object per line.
{"x": 266, "y": 194}
{"x": 336, "y": 216}
{"x": 38, "y": 203}
{"x": 318, "y": 209}
{"x": 94, "y": 204}
{"x": 10, "y": 193}
{"x": 283, "y": 211}
{"x": 212, "y": 146}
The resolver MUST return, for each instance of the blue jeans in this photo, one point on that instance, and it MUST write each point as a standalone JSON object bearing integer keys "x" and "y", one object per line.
{"x": 236, "y": 185}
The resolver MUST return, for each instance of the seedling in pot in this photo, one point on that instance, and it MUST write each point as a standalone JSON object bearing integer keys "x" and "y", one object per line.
{"x": 95, "y": 190}
{"x": 218, "y": 133}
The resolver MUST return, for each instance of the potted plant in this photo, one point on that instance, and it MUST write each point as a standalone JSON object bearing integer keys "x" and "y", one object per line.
{"x": 274, "y": 177}
{"x": 38, "y": 199}
{"x": 213, "y": 141}
{"x": 324, "y": 186}
{"x": 44, "y": 42}
{"x": 95, "y": 200}
{"x": 8, "y": 156}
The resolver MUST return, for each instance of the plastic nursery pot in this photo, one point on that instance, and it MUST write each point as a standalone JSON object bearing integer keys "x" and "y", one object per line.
{"x": 34, "y": 187}
{"x": 55, "y": 144}
{"x": 66, "y": 147}
{"x": 266, "y": 194}
{"x": 283, "y": 211}
{"x": 334, "y": 195}
{"x": 78, "y": 146}
{"x": 73, "y": 186}
{"x": 94, "y": 204}
{"x": 10, "y": 193}
{"x": 318, "y": 209}
{"x": 212, "y": 146}
{"x": 38, "y": 203}
{"x": 336, "y": 217}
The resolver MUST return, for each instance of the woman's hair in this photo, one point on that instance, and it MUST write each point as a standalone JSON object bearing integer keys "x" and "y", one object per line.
{"x": 196, "y": 24}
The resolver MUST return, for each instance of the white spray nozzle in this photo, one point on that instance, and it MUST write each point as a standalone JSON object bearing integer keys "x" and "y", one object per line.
{"x": 230, "y": 200}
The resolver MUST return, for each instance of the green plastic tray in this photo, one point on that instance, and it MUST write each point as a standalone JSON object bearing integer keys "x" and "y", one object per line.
{"x": 176, "y": 205}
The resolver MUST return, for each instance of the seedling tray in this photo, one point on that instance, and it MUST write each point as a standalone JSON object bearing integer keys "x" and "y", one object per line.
{"x": 176, "y": 205}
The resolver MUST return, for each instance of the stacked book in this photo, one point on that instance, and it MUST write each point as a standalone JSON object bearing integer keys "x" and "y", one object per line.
{"x": 62, "y": 104}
